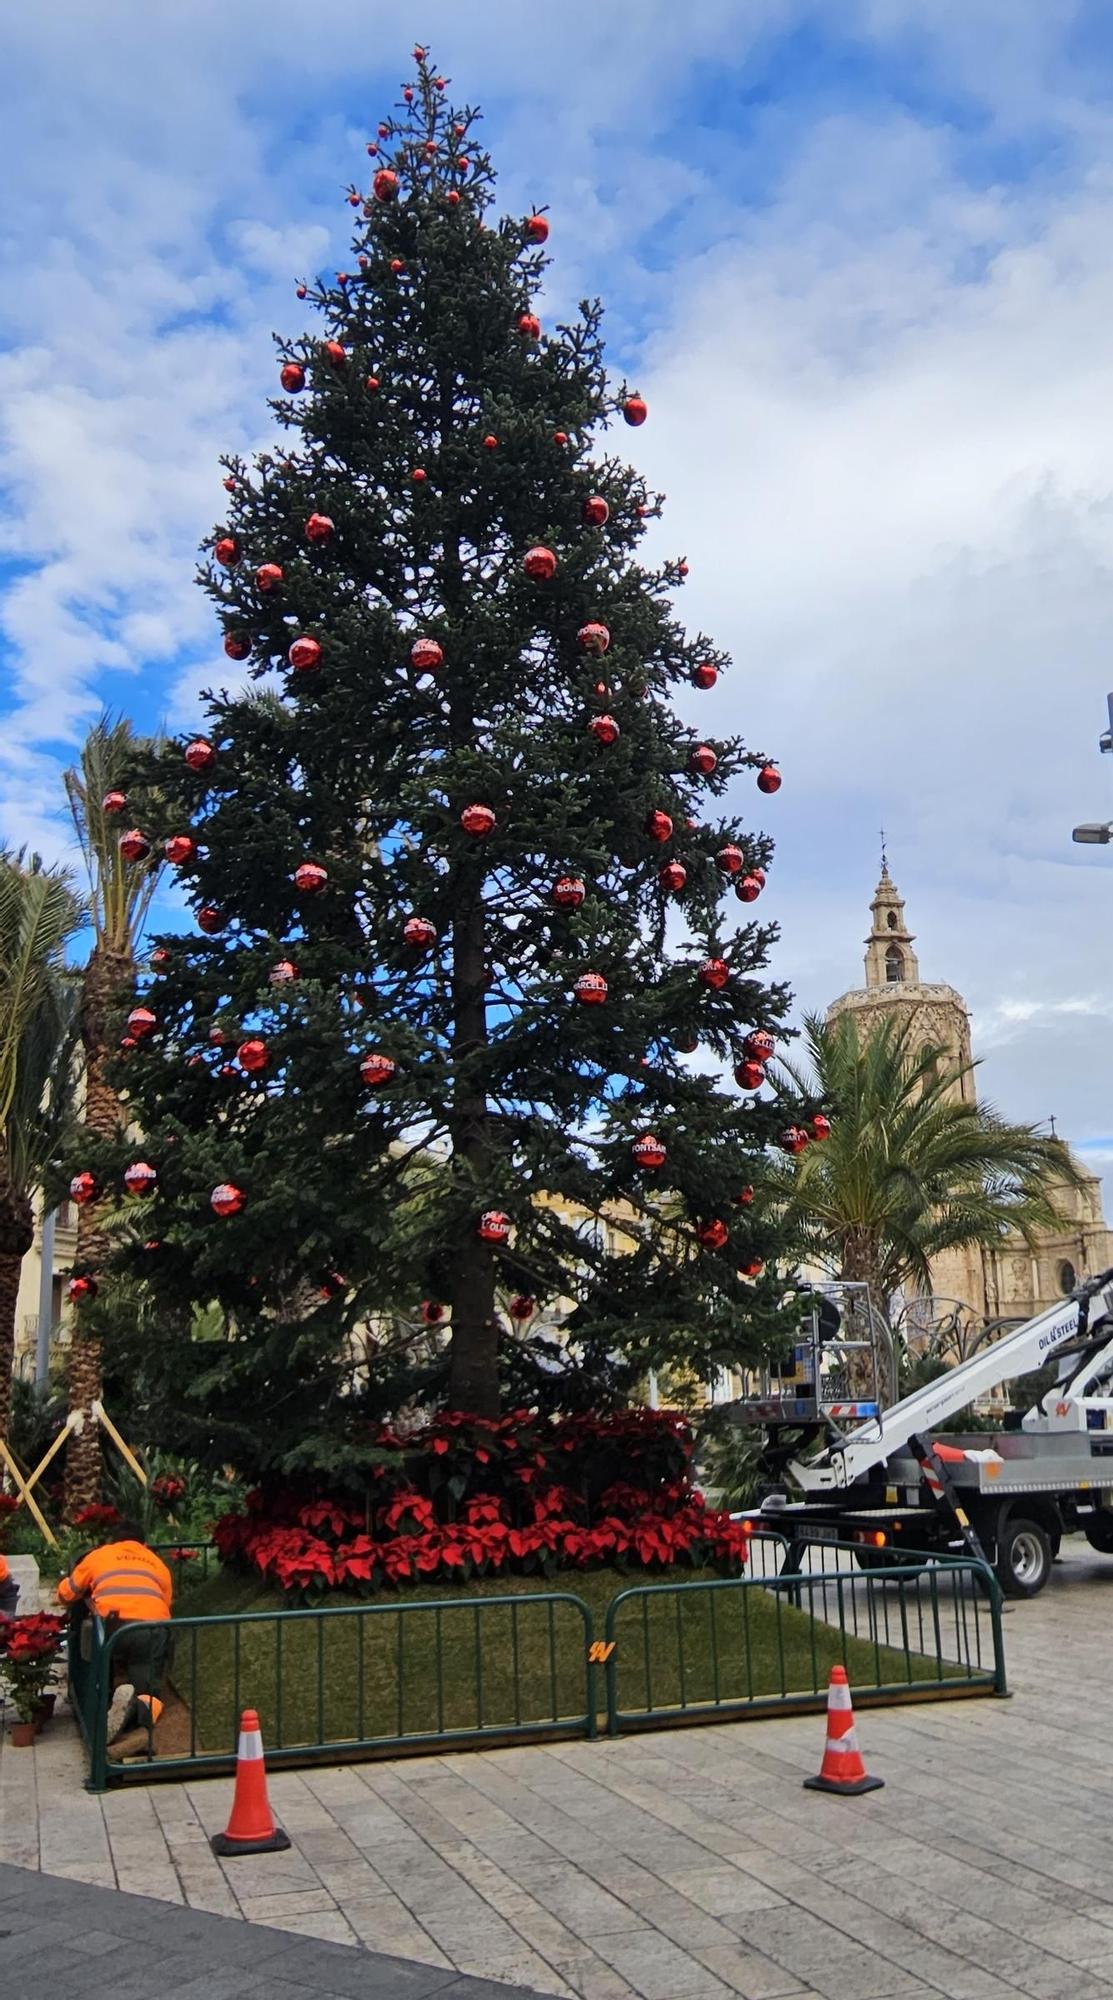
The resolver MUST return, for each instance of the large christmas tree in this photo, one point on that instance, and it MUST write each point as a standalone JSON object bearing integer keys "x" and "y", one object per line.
{"x": 465, "y": 902}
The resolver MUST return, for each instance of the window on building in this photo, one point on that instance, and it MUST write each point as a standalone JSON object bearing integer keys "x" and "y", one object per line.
{"x": 891, "y": 920}
{"x": 1068, "y": 1277}
{"x": 894, "y": 965}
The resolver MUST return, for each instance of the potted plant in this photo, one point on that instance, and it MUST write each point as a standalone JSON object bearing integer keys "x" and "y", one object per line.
{"x": 29, "y": 1648}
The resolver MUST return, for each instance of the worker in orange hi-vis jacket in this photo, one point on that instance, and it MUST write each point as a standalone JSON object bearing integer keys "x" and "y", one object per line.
{"x": 9, "y": 1590}
{"x": 124, "y": 1583}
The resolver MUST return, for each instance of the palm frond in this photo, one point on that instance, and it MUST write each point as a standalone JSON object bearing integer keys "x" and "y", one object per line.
{"x": 120, "y": 892}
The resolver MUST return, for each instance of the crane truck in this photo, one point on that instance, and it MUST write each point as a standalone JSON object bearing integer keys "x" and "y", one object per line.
{"x": 840, "y": 1465}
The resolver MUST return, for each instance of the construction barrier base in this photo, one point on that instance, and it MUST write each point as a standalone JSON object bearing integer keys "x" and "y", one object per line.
{"x": 847, "y": 1788}
{"x": 267, "y": 1843}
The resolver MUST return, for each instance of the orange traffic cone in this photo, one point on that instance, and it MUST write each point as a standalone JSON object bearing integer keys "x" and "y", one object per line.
{"x": 251, "y": 1828}
{"x": 842, "y": 1769}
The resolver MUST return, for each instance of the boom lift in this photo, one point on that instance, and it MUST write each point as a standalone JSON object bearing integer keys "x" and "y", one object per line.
{"x": 881, "y": 1477}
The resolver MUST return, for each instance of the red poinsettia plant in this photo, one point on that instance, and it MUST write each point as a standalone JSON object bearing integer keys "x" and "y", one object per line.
{"x": 469, "y": 1496}
{"x": 98, "y": 1514}
{"x": 29, "y": 1647}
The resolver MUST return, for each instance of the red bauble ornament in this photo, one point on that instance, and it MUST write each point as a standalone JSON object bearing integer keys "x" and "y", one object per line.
{"x": 377, "y": 1070}
{"x": 384, "y": 131}
{"x": 759, "y": 876}
{"x": 408, "y": 93}
{"x": 749, "y": 1074}
{"x": 237, "y": 645}
{"x": 705, "y": 675}
{"x": 744, "y": 1198}
{"x": 682, "y": 568}
{"x": 686, "y": 1045}
{"x": 384, "y": 187}
{"x": 199, "y": 754}
{"x": 477, "y": 820}
{"x": 593, "y": 637}
{"x": 268, "y": 577}
{"x": 218, "y": 1037}
{"x": 493, "y": 1226}
{"x": 310, "y": 878}
{"x": 729, "y": 859}
{"x": 648, "y": 1151}
{"x": 140, "y": 1178}
{"x": 769, "y": 779}
{"x": 305, "y": 654}
{"x": 282, "y": 973}
{"x": 253, "y": 1055}
{"x": 658, "y": 826}
{"x": 432, "y": 1311}
{"x": 754, "y": 1268}
{"x": 318, "y": 528}
{"x": 160, "y": 958}
{"x": 605, "y": 729}
{"x": 292, "y": 375}
{"x": 114, "y": 802}
{"x": 748, "y": 890}
{"x": 794, "y": 1140}
{"x": 227, "y": 551}
{"x": 134, "y": 846}
{"x": 301, "y": 291}
{"x": 334, "y": 353}
{"x": 702, "y": 760}
{"x": 569, "y": 892}
{"x": 672, "y": 876}
{"x": 536, "y": 229}
{"x": 490, "y": 442}
{"x": 452, "y": 198}
{"x": 396, "y": 267}
{"x": 80, "y": 1289}
{"x": 522, "y": 1306}
{"x": 540, "y": 564}
{"x": 372, "y": 383}
{"x": 714, "y": 973}
{"x": 227, "y": 1199}
{"x": 418, "y": 476}
{"x": 426, "y": 655}
{"x": 180, "y": 848}
{"x": 760, "y": 1046}
{"x": 141, "y": 1022}
{"x": 635, "y": 410}
{"x": 713, "y": 1234}
{"x": 590, "y": 989}
{"x": 210, "y": 919}
{"x": 127, "y": 1044}
{"x": 821, "y": 1127}
{"x": 596, "y": 511}
{"x": 82, "y": 1188}
{"x": 463, "y": 163}
{"x": 420, "y": 933}
{"x": 529, "y": 326}
{"x": 332, "y": 1284}
{"x": 560, "y": 437}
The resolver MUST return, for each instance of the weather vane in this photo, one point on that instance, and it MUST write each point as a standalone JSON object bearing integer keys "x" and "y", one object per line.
{"x": 884, "y": 855}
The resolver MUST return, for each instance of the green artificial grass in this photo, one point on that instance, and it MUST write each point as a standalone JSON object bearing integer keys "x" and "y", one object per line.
{"x": 497, "y": 1661}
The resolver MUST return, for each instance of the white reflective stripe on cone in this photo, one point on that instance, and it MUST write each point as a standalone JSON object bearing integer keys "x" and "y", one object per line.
{"x": 840, "y": 1745}
{"x": 838, "y": 1695}
{"x": 251, "y": 1747}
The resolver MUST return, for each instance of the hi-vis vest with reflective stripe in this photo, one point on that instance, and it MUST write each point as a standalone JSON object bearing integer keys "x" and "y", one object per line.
{"x": 125, "y": 1578}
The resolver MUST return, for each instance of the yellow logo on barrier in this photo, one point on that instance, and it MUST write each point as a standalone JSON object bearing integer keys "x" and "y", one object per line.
{"x": 600, "y": 1651}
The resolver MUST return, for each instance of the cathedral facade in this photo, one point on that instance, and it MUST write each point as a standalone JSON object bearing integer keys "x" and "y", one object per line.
{"x": 1010, "y": 1279}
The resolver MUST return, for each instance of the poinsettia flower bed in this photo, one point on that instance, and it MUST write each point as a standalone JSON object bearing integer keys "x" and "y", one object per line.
{"x": 466, "y": 1496}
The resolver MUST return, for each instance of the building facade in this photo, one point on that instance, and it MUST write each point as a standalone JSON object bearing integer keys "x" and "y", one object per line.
{"x": 1011, "y": 1280}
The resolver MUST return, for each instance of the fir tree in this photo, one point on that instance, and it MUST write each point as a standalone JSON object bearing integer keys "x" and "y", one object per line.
{"x": 463, "y": 887}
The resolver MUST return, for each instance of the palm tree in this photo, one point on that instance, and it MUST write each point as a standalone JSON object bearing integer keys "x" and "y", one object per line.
{"x": 39, "y": 914}
{"x": 120, "y": 894}
{"x": 911, "y": 1167}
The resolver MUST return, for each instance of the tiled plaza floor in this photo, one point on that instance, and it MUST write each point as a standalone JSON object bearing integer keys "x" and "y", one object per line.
{"x": 684, "y": 1865}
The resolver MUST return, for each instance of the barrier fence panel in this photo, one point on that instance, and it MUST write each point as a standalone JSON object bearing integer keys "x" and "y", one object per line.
{"x": 747, "y": 1646}
{"x": 343, "y": 1680}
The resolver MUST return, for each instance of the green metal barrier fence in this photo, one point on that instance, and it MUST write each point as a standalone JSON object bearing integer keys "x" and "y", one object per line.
{"x": 699, "y": 1652}
{"x": 386, "y": 1678}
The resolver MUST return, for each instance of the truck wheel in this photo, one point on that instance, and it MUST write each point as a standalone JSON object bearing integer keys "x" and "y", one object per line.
{"x": 1098, "y": 1531}
{"x": 1023, "y": 1562}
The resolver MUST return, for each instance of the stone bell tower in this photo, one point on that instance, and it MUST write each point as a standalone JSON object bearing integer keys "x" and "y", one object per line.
{"x": 893, "y": 986}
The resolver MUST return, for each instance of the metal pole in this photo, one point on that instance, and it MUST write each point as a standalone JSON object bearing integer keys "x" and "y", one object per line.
{"x": 46, "y": 1300}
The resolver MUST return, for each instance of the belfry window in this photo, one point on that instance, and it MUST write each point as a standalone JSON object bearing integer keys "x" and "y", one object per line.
{"x": 891, "y": 920}
{"x": 894, "y": 965}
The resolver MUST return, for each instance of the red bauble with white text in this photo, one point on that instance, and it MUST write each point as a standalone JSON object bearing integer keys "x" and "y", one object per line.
{"x": 748, "y": 890}
{"x": 729, "y": 859}
{"x": 714, "y": 973}
{"x": 227, "y": 1199}
{"x": 493, "y": 1226}
{"x": 648, "y": 1151}
{"x": 594, "y": 637}
{"x": 426, "y": 655}
{"x": 310, "y": 878}
{"x": 82, "y": 1288}
{"x": 419, "y": 933}
{"x": 821, "y": 1127}
{"x": 319, "y": 528}
{"x": 569, "y": 892}
{"x": 477, "y": 820}
{"x": 672, "y": 877}
{"x": 590, "y": 989}
{"x": 377, "y": 1070}
{"x": 134, "y": 846}
{"x": 268, "y": 577}
{"x": 140, "y": 1178}
{"x": 83, "y": 1188}
{"x": 702, "y": 760}
{"x": 141, "y": 1022}
{"x": 760, "y": 1046}
{"x": 605, "y": 729}
{"x": 114, "y": 802}
{"x": 199, "y": 754}
{"x": 794, "y": 1140}
{"x": 282, "y": 973}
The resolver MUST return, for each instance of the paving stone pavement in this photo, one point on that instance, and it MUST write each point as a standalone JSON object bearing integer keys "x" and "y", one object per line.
{"x": 683, "y": 1865}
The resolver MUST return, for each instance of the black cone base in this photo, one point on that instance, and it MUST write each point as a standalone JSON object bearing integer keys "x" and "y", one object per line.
{"x": 271, "y": 1843}
{"x": 847, "y": 1788}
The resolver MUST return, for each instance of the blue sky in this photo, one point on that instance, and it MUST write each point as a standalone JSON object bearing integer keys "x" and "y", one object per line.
{"x": 858, "y": 255}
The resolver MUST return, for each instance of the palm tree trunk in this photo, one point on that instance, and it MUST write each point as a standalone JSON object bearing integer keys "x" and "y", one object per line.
{"x": 861, "y": 1264}
{"x": 107, "y": 980}
{"x": 10, "y": 1268}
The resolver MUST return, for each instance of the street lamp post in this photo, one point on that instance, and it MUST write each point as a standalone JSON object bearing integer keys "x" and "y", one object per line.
{"x": 1099, "y": 833}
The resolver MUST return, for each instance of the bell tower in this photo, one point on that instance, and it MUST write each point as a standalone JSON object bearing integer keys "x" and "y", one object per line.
{"x": 890, "y": 959}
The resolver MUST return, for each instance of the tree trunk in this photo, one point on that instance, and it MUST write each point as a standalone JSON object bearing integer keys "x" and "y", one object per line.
{"x": 108, "y": 978}
{"x": 17, "y": 1233}
{"x": 861, "y": 1264}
